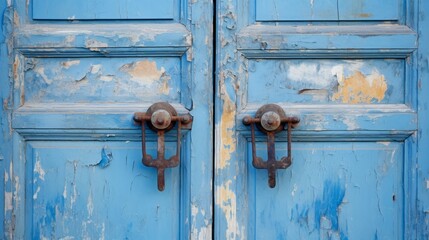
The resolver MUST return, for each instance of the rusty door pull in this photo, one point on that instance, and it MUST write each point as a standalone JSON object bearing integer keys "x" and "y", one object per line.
{"x": 271, "y": 119}
{"x": 161, "y": 117}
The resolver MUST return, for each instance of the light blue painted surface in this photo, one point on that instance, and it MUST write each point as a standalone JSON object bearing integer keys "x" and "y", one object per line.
{"x": 74, "y": 80}
{"x": 317, "y": 81}
{"x": 328, "y": 10}
{"x": 296, "y": 10}
{"x": 370, "y": 10}
{"x": 422, "y": 212}
{"x": 100, "y": 188}
{"x": 104, "y": 38}
{"x": 4, "y": 153}
{"x": 347, "y": 41}
{"x": 106, "y": 9}
{"x": 6, "y": 150}
{"x": 333, "y": 191}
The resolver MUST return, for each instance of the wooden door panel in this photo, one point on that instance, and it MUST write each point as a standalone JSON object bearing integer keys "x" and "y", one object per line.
{"x": 102, "y": 80}
{"x": 351, "y": 150}
{"x": 329, "y": 10}
{"x": 85, "y": 189}
{"x": 79, "y": 72}
{"x": 334, "y": 190}
{"x": 326, "y": 81}
{"x": 110, "y": 9}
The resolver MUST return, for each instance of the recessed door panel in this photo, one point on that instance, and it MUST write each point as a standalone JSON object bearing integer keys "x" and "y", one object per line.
{"x": 330, "y": 10}
{"x": 86, "y": 189}
{"x": 71, "y": 80}
{"x": 326, "y": 81}
{"x": 329, "y": 192}
{"x": 102, "y": 10}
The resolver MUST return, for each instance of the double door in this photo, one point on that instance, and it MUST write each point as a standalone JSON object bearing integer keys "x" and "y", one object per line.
{"x": 295, "y": 119}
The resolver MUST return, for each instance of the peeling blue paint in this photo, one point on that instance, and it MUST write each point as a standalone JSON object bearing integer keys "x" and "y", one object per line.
{"x": 317, "y": 81}
{"x": 102, "y": 80}
{"x": 328, "y": 206}
{"x": 300, "y": 214}
{"x": 106, "y": 158}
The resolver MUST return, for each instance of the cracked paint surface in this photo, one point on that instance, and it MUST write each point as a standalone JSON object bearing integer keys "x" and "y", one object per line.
{"x": 326, "y": 81}
{"x": 228, "y": 204}
{"x": 84, "y": 197}
{"x": 101, "y": 80}
{"x": 199, "y": 216}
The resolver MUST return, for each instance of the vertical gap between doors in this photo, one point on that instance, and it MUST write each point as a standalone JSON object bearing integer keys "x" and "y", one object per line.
{"x": 214, "y": 73}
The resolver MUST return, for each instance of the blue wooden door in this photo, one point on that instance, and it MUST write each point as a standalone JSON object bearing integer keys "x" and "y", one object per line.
{"x": 355, "y": 73}
{"x": 72, "y": 153}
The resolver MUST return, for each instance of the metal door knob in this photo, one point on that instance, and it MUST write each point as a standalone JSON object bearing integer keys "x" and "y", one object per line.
{"x": 161, "y": 117}
{"x": 271, "y": 119}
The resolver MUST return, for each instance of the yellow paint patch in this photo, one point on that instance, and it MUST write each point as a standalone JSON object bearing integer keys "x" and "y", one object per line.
{"x": 143, "y": 71}
{"x": 146, "y": 72}
{"x": 18, "y": 79}
{"x": 16, "y": 65}
{"x": 16, "y": 18}
{"x": 228, "y": 141}
{"x": 164, "y": 88}
{"x": 228, "y": 204}
{"x": 359, "y": 88}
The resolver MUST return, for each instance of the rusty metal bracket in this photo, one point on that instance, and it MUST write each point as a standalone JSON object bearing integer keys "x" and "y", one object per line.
{"x": 271, "y": 119}
{"x": 161, "y": 117}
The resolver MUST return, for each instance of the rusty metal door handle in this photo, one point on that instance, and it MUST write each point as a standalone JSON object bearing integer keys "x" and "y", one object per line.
{"x": 161, "y": 117}
{"x": 271, "y": 119}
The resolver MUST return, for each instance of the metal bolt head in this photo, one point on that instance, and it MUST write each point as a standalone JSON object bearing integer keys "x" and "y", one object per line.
{"x": 161, "y": 119}
{"x": 186, "y": 119}
{"x": 247, "y": 120}
{"x": 270, "y": 121}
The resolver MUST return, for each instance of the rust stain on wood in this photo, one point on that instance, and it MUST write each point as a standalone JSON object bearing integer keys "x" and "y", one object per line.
{"x": 365, "y": 15}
